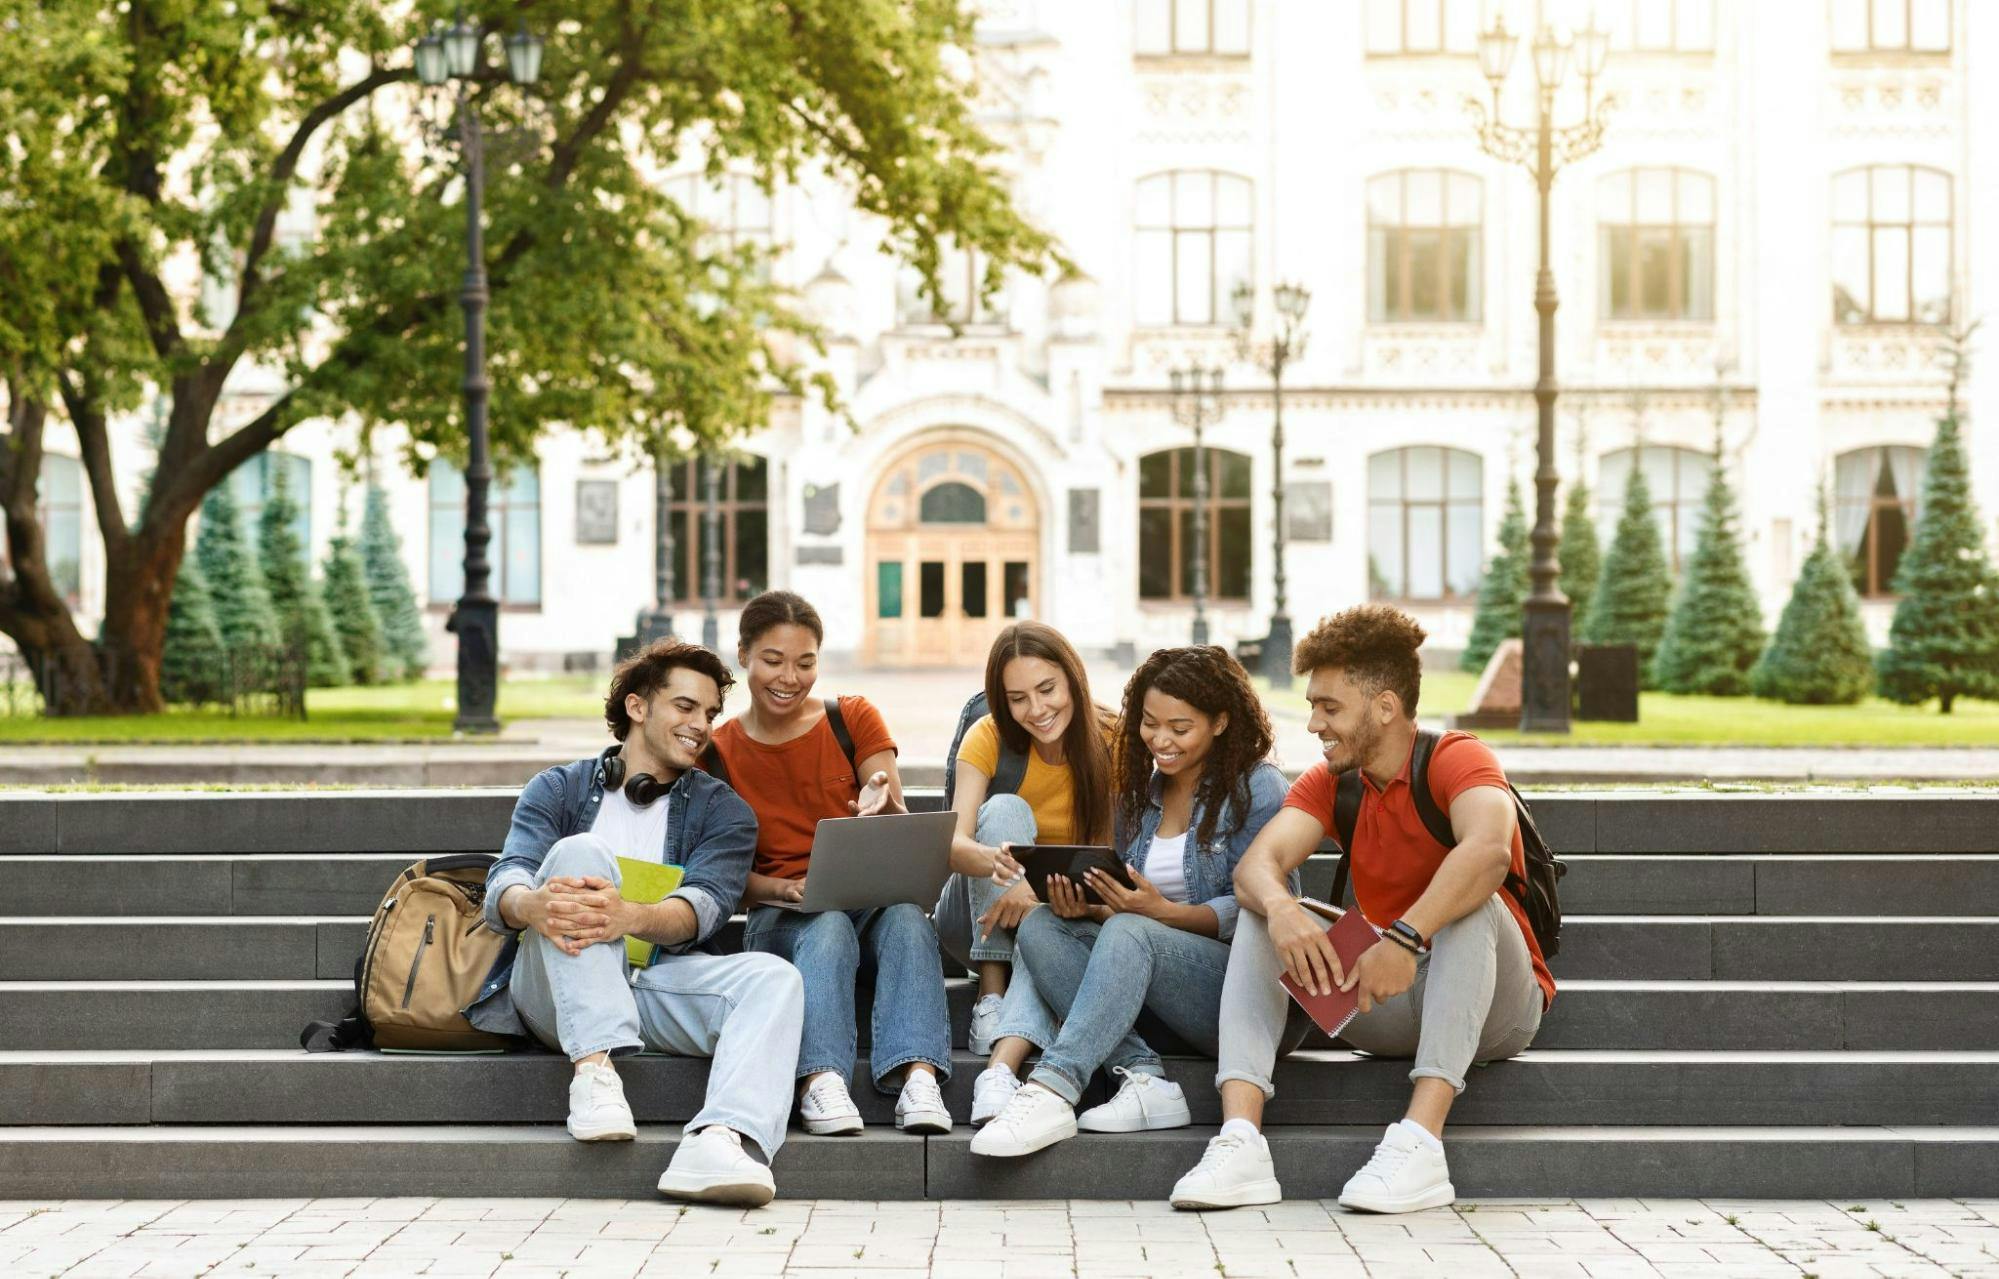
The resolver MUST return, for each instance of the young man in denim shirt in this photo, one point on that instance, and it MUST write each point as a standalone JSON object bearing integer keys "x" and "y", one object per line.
{"x": 567, "y": 981}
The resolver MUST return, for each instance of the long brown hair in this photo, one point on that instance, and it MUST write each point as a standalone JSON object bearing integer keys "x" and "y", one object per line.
{"x": 1084, "y": 752}
{"x": 1209, "y": 679}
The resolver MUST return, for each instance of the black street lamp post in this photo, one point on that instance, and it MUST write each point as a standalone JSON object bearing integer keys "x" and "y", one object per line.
{"x": 657, "y": 622}
{"x": 1543, "y": 149}
{"x": 1287, "y": 343}
{"x": 457, "y": 53}
{"x": 711, "y": 553}
{"x": 1196, "y": 400}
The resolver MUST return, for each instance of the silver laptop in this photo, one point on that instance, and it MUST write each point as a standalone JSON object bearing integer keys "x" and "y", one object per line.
{"x": 862, "y": 862}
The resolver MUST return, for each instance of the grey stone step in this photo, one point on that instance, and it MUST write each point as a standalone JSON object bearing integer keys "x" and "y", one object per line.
{"x": 1543, "y": 1086}
{"x": 1874, "y": 1162}
{"x": 1595, "y": 1015}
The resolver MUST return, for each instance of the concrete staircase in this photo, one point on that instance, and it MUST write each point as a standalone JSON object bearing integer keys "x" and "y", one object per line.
{"x": 1791, "y": 996}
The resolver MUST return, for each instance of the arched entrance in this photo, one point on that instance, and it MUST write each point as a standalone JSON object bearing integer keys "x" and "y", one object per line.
{"x": 953, "y": 552}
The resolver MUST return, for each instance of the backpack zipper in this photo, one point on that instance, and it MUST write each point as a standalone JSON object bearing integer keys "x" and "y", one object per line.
{"x": 429, "y": 931}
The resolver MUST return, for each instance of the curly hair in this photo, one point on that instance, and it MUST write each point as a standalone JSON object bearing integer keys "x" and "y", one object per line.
{"x": 645, "y": 673}
{"x": 1209, "y": 679}
{"x": 1083, "y": 749}
{"x": 1375, "y": 644}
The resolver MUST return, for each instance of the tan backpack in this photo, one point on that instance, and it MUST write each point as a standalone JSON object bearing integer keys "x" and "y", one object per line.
{"x": 428, "y": 951}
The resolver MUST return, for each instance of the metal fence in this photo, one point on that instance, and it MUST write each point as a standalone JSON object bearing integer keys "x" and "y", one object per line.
{"x": 255, "y": 681}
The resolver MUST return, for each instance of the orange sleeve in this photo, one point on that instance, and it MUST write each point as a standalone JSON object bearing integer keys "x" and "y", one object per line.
{"x": 1312, "y": 794}
{"x": 866, "y": 727}
{"x": 1460, "y": 763}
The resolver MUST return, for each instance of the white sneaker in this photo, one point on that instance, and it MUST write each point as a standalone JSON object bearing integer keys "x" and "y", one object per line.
{"x": 1144, "y": 1103}
{"x": 985, "y": 1022}
{"x": 991, "y": 1091}
{"x": 1233, "y": 1173}
{"x": 920, "y": 1108}
{"x": 1035, "y": 1118}
{"x": 598, "y": 1110}
{"x": 1406, "y": 1174}
{"x": 827, "y": 1110}
{"x": 712, "y": 1167}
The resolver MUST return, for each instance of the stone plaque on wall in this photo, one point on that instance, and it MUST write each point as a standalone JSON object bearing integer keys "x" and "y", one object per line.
{"x": 819, "y": 555}
{"x": 1308, "y": 511}
{"x": 822, "y": 509}
{"x": 596, "y": 512}
{"x": 1083, "y": 521}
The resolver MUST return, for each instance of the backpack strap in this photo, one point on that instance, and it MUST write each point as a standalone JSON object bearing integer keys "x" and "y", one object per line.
{"x": 838, "y": 723}
{"x": 711, "y": 760}
{"x": 341, "y": 1036}
{"x": 1435, "y": 820}
{"x": 1347, "y": 792}
{"x": 1009, "y": 772}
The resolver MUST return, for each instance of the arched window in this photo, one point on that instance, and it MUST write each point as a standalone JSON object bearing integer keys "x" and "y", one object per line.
{"x": 513, "y": 512}
{"x": 1891, "y": 245}
{"x": 1217, "y": 28}
{"x": 1192, "y": 229}
{"x": 1423, "y": 233}
{"x": 1425, "y": 523}
{"x": 1166, "y": 525}
{"x": 256, "y": 479}
{"x": 952, "y": 502}
{"x": 1677, "y": 479}
{"x": 742, "y": 509}
{"x": 1657, "y": 232}
{"x": 1877, "y": 497}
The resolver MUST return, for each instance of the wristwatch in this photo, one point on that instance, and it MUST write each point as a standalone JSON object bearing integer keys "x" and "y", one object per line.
{"x": 1405, "y": 933}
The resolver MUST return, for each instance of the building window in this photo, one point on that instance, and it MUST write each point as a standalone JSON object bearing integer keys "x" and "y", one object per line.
{"x": 1662, "y": 26}
{"x": 1425, "y": 523}
{"x": 59, "y": 512}
{"x": 1657, "y": 233}
{"x": 733, "y": 210}
{"x": 962, "y": 272}
{"x": 1193, "y": 232}
{"x": 1891, "y": 245}
{"x": 1416, "y": 28}
{"x": 1423, "y": 231}
{"x": 742, "y": 507}
{"x": 1676, "y": 478}
{"x": 1166, "y": 525}
{"x": 513, "y": 512}
{"x": 1215, "y": 28}
{"x": 255, "y": 480}
{"x": 1877, "y": 497}
{"x": 1891, "y": 26}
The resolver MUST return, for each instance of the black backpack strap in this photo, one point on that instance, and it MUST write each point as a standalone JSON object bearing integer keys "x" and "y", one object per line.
{"x": 341, "y": 1036}
{"x": 974, "y": 709}
{"x": 711, "y": 760}
{"x": 1347, "y": 792}
{"x": 838, "y": 723}
{"x": 1010, "y": 772}
{"x": 1435, "y": 820}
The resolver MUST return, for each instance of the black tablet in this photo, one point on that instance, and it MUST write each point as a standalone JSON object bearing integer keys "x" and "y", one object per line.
{"x": 1072, "y": 861}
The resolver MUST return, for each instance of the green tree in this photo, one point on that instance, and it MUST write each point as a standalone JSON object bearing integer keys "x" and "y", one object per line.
{"x": 192, "y": 662}
{"x": 405, "y": 650}
{"x": 304, "y": 624}
{"x": 1715, "y": 632}
{"x": 1819, "y": 655}
{"x": 1581, "y": 559}
{"x": 144, "y": 135}
{"x": 1504, "y": 589}
{"x": 1944, "y": 641}
{"x": 353, "y": 610}
{"x": 1632, "y": 594}
{"x": 235, "y": 580}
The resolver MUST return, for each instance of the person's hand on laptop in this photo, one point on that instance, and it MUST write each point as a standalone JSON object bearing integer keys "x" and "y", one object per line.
{"x": 876, "y": 799}
{"x": 788, "y": 890}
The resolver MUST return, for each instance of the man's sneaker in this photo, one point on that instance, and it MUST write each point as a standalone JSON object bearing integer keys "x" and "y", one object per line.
{"x": 991, "y": 1091}
{"x": 1234, "y": 1173}
{"x": 826, "y": 1110}
{"x": 1406, "y": 1174}
{"x": 1035, "y": 1118}
{"x": 1143, "y": 1103}
{"x": 597, "y": 1107}
{"x": 921, "y": 1107}
{"x": 985, "y": 1025}
{"x": 711, "y": 1167}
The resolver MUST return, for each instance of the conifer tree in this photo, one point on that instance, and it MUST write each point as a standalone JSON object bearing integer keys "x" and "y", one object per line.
{"x": 191, "y": 662}
{"x": 1819, "y": 655}
{"x": 1715, "y": 632}
{"x": 1633, "y": 592}
{"x": 303, "y": 622}
{"x": 354, "y": 618}
{"x": 1504, "y": 590}
{"x": 235, "y": 579}
{"x": 404, "y": 648}
{"x": 1582, "y": 560}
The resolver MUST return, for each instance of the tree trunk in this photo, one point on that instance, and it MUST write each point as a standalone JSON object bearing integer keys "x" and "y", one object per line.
{"x": 1945, "y": 698}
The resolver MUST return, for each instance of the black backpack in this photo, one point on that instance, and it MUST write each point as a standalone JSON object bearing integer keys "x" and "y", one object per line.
{"x": 711, "y": 758}
{"x": 1007, "y": 774}
{"x": 1537, "y": 893}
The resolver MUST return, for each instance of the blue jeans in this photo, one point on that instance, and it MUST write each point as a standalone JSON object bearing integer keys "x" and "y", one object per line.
{"x": 744, "y": 1011}
{"x": 1003, "y": 819}
{"x": 1097, "y": 978}
{"x": 912, "y": 1021}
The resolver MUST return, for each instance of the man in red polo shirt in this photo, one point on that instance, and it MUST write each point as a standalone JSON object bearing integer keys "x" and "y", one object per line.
{"x": 1456, "y": 978}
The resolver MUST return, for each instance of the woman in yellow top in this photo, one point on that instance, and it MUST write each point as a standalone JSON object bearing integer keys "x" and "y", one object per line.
{"x": 1041, "y": 703}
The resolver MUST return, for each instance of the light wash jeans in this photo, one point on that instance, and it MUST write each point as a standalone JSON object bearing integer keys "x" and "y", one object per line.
{"x": 1003, "y": 819}
{"x": 1097, "y": 977}
{"x": 745, "y": 1011}
{"x": 1474, "y": 1000}
{"x": 911, "y": 1022}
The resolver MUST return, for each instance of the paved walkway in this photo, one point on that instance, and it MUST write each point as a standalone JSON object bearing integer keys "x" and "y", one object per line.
{"x": 607, "y": 1239}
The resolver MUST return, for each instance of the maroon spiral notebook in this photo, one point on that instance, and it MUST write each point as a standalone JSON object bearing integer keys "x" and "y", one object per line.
{"x": 1351, "y": 935}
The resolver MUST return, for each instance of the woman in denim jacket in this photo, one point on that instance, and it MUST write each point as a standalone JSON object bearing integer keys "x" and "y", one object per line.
{"x": 1194, "y": 788}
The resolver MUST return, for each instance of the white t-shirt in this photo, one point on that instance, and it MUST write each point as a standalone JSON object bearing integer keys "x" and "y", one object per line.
{"x": 1166, "y": 866}
{"x": 631, "y": 831}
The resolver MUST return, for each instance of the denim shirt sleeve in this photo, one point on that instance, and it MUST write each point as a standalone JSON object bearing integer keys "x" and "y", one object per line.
{"x": 718, "y": 861}
{"x": 537, "y": 824}
{"x": 1266, "y": 796}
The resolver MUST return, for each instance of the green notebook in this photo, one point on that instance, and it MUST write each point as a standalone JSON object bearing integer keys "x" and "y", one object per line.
{"x": 648, "y": 883}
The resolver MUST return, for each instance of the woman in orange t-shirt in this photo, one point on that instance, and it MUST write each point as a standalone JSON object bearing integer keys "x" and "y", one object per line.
{"x": 783, "y": 758}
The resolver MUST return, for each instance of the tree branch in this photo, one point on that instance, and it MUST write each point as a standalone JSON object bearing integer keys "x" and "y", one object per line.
{"x": 155, "y": 306}
{"x": 94, "y": 442}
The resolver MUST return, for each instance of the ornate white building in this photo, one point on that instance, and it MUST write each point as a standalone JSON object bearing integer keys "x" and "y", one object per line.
{"x": 1787, "y": 200}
